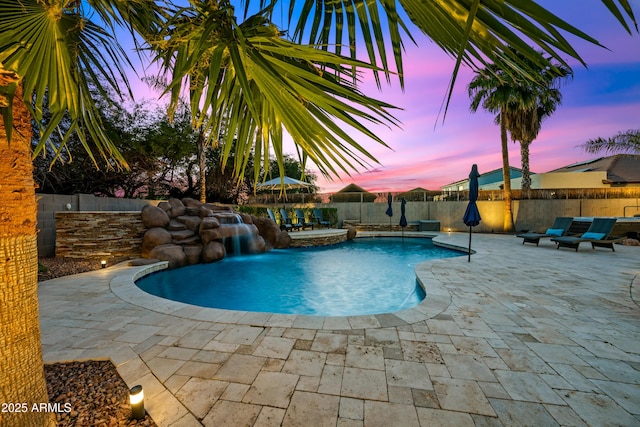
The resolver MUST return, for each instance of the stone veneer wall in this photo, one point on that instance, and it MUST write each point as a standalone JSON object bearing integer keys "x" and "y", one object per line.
{"x": 115, "y": 236}
{"x": 49, "y": 204}
{"x": 378, "y": 227}
{"x": 317, "y": 240}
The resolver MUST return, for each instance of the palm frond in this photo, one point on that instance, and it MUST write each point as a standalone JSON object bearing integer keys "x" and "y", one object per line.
{"x": 623, "y": 142}
{"x": 475, "y": 33}
{"x": 58, "y": 55}
{"x": 262, "y": 87}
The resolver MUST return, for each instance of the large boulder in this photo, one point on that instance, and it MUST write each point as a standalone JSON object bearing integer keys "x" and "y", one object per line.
{"x": 204, "y": 212}
{"x": 284, "y": 240}
{"x": 258, "y": 245}
{"x": 217, "y": 208}
{"x": 153, "y": 237}
{"x": 227, "y": 231}
{"x": 192, "y": 222}
{"x": 208, "y": 223}
{"x": 213, "y": 251}
{"x": 176, "y": 226}
{"x": 172, "y": 253}
{"x": 191, "y": 203}
{"x": 153, "y": 216}
{"x": 246, "y": 218}
{"x": 351, "y": 232}
{"x": 192, "y": 206}
{"x": 227, "y": 217}
{"x": 193, "y": 254}
{"x": 270, "y": 231}
{"x": 177, "y": 208}
{"x": 179, "y": 236}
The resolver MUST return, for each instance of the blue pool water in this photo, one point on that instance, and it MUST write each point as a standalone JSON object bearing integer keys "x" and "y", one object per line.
{"x": 361, "y": 276}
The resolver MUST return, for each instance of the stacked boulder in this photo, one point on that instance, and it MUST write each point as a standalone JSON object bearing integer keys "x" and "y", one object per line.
{"x": 186, "y": 232}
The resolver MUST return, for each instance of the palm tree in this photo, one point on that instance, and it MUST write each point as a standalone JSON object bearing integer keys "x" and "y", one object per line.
{"x": 521, "y": 105}
{"x": 530, "y": 104}
{"x": 622, "y": 142}
{"x": 51, "y": 50}
{"x": 49, "y": 53}
{"x": 489, "y": 91}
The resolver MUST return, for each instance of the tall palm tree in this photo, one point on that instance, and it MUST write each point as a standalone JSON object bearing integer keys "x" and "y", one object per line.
{"x": 50, "y": 56}
{"x": 50, "y": 50}
{"x": 489, "y": 91}
{"x": 521, "y": 105}
{"x": 530, "y": 104}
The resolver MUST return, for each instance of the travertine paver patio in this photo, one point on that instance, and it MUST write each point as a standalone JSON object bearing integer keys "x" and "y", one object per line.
{"x": 522, "y": 335}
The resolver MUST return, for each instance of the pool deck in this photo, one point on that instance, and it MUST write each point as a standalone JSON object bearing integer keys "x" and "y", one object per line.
{"x": 521, "y": 335}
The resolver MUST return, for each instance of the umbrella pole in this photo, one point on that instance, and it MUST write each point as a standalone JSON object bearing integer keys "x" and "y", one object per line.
{"x": 469, "y": 259}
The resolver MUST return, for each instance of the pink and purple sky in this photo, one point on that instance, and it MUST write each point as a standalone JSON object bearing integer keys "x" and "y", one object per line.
{"x": 599, "y": 101}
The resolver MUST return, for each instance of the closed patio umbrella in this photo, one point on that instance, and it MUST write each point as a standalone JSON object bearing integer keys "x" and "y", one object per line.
{"x": 403, "y": 218}
{"x": 389, "y": 211}
{"x": 471, "y": 216}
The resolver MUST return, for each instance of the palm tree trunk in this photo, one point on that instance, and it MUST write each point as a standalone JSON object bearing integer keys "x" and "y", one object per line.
{"x": 526, "y": 173}
{"x": 506, "y": 175}
{"x": 22, "y": 379}
{"x": 202, "y": 164}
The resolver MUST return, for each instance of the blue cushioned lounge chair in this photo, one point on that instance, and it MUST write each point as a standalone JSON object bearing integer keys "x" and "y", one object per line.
{"x": 559, "y": 228}
{"x": 301, "y": 221}
{"x": 287, "y": 221}
{"x": 317, "y": 214}
{"x": 283, "y": 225}
{"x": 598, "y": 235}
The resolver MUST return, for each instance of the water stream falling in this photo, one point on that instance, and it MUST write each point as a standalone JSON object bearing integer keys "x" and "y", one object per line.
{"x": 243, "y": 238}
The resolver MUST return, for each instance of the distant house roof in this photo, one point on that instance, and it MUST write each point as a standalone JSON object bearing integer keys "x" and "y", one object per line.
{"x": 417, "y": 194}
{"x": 621, "y": 168}
{"x": 353, "y": 193}
{"x": 489, "y": 177}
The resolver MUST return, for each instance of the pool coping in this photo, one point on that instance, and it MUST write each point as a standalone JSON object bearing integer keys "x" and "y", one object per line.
{"x": 438, "y": 298}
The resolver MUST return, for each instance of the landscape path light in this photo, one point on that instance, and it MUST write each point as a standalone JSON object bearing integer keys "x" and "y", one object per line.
{"x": 136, "y": 400}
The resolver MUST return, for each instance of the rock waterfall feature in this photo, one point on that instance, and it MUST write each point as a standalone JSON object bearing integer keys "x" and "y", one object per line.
{"x": 186, "y": 232}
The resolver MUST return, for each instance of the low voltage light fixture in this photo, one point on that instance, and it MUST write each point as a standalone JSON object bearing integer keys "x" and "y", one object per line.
{"x": 103, "y": 263}
{"x": 136, "y": 400}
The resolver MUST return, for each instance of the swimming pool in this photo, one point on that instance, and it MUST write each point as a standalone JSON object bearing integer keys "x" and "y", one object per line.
{"x": 361, "y": 276}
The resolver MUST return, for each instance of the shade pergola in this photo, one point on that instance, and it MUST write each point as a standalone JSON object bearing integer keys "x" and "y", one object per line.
{"x": 278, "y": 183}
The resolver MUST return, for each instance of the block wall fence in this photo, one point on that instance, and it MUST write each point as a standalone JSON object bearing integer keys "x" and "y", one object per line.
{"x": 91, "y": 227}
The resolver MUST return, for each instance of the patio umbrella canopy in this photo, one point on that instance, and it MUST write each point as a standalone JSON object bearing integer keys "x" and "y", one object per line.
{"x": 278, "y": 183}
{"x": 471, "y": 216}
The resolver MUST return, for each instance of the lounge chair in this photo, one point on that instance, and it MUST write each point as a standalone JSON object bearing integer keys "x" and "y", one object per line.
{"x": 287, "y": 221}
{"x": 283, "y": 226}
{"x": 597, "y": 234}
{"x": 301, "y": 221}
{"x": 559, "y": 228}
{"x": 317, "y": 214}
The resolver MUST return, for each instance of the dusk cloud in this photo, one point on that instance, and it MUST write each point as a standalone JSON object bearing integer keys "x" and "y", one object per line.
{"x": 600, "y": 100}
